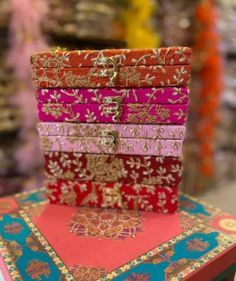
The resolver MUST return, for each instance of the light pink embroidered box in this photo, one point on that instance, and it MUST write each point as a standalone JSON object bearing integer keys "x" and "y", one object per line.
{"x": 100, "y": 139}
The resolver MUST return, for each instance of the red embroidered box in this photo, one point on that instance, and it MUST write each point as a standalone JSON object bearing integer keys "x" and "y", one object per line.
{"x": 113, "y": 195}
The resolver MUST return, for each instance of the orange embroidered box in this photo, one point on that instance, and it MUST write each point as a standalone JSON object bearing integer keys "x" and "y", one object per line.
{"x": 112, "y": 68}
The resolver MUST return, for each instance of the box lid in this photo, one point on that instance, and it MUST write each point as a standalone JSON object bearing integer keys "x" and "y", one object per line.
{"x": 120, "y": 57}
{"x": 123, "y": 130}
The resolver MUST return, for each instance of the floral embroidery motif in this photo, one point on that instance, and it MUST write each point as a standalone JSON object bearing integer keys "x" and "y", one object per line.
{"x": 131, "y": 146}
{"x": 16, "y": 249}
{"x": 68, "y": 195}
{"x": 113, "y": 224}
{"x": 138, "y": 277}
{"x": 36, "y": 269}
{"x": 142, "y": 76}
{"x": 32, "y": 244}
{"x": 140, "y": 131}
{"x": 105, "y": 113}
{"x": 149, "y": 95}
{"x": 83, "y": 273}
{"x": 130, "y": 75}
{"x": 123, "y": 57}
{"x": 13, "y": 228}
{"x": 113, "y": 195}
{"x": 196, "y": 245}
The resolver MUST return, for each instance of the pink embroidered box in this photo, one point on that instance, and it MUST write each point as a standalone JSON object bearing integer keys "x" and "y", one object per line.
{"x": 106, "y": 105}
{"x": 99, "y": 139}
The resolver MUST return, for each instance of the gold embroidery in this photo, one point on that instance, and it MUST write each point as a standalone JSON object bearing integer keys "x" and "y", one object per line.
{"x": 46, "y": 143}
{"x": 101, "y": 170}
{"x": 105, "y": 168}
{"x": 68, "y": 195}
{"x": 164, "y": 113}
{"x": 92, "y": 197}
{"x": 140, "y": 113}
{"x": 112, "y": 196}
{"x": 130, "y": 75}
{"x": 62, "y": 58}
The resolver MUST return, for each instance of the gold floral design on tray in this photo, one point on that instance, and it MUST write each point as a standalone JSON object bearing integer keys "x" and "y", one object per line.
{"x": 37, "y": 269}
{"x": 228, "y": 224}
{"x": 13, "y": 228}
{"x": 105, "y": 223}
{"x": 82, "y": 273}
{"x": 197, "y": 245}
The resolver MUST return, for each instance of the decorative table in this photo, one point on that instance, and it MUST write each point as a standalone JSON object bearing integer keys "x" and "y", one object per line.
{"x": 41, "y": 241}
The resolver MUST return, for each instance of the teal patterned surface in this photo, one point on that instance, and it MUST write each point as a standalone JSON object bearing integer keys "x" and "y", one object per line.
{"x": 192, "y": 207}
{"x": 187, "y": 250}
{"x": 29, "y": 257}
{"x": 35, "y": 197}
{"x": 32, "y": 262}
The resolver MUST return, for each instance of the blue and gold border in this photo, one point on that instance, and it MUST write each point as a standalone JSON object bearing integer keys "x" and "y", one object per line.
{"x": 211, "y": 243}
{"x": 201, "y": 236}
{"x": 26, "y": 253}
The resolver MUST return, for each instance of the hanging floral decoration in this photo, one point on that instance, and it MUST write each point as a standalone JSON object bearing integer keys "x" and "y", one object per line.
{"x": 207, "y": 63}
{"x": 26, "y": 38}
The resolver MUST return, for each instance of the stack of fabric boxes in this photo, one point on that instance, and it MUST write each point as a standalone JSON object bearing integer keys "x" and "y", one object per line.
{"x": 112, "y": 125}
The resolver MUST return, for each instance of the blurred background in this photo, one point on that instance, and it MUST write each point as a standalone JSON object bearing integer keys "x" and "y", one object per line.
{"x": 208, "y": 26}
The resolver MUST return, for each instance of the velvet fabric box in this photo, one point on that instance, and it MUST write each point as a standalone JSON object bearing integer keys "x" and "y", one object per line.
{"x": 41, "y": 241}
{"x": 106, "y": 105}
{"x": 136, "y": 169}
{"x": 114, "y": 112}
{"x": 111, "y": 141}
{"x": 125, "y": 57}
{"x": 112, "y": 68}
{"x": 150, "y": 95}
{"x": 113, "y": 195}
